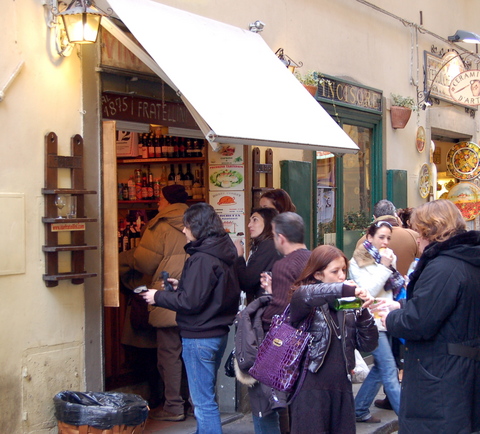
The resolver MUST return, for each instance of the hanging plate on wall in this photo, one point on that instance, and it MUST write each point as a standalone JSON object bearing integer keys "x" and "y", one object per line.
{"x": 420, "y": 141}
{"x": 463, "y": 160}
{"x": 424, "y": 181}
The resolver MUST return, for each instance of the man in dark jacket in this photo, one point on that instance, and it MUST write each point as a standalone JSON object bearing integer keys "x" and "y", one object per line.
{"x": 206, "y": 301}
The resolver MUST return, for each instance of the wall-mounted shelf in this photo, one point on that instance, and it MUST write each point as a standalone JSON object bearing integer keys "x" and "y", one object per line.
{"x": 77, "y": 247}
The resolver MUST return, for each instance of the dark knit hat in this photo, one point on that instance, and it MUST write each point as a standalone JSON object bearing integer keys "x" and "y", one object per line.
{"x": 175, "y": 193}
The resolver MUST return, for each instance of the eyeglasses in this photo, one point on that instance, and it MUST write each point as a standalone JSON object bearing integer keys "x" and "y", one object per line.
{"x": 383, "y": 223}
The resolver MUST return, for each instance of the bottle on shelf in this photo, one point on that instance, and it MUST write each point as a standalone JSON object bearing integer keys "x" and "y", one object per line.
{"x": 175, "y": 147}
{"x": 131, "y": 189}
{"x": 180, "y": 177}
{"x": 196, "y": 149}
{"x": 145, "y": 145}
{"x": 144, "y": 188}
{"x": 188, "y": 182}
{"x": 125, "y": 238}
{"x": 171, "y": 175}
{"x": 189, "y": 148}
{"x": 125, "y": 192}
{"x": 151, "y": 146}
{"x": 163, "y": 177}
{"x": 119, "y": 191}
{"x": 163, "y": 141}
{"x": 150, "y": 186}
{"x": 149, "y": 175}
{"x": 170, "y": 148}
{"x": 139, "y": 145}
{"x": 202, "y": 181}
{"x": 156, "y": 189}
{"x": 181, "y": 147}
{"x": 201, "y": 148}
{"x": 197, "y": 186}
{"x": 157, "y": 144}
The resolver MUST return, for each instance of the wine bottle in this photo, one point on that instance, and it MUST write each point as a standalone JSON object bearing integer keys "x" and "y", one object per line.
{"x": 180, "y": 177}
{"x": 197, "y": 186}
{"x": 144, "y": 188}
{"x": 157, "y": 144}
{"x": 156, "y": 189}
{"x": 145, "y": 146}
{"x": 169, "y": 147}
{"x": 188, "y": 149}
{"x": 171, "y": 176}
{"x": 151, "y": 146}
{"x": 188, "y": 182}
{"x": 163, "y": 177}
{"x": 181, "y": 147}
{"x": 163, "y": 142}
{"x": 348, "y": 303}
{"x": 175, "y": 147}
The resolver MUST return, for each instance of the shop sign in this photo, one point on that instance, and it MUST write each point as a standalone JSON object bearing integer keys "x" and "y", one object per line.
{"x": 342, "y": 91}
{"x": 134, "y": 108}
{"x": 439, "y": 73}
{"x": 465, "y": 87}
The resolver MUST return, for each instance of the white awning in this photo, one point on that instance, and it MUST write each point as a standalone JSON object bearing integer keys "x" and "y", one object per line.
{"x": 235, "y": 87}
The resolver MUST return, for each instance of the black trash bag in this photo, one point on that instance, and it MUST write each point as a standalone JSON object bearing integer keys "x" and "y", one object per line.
{"x": 102, "y": 410}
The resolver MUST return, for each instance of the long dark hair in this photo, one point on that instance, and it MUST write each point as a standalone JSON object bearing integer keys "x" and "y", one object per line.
{"x": 267, "y": 214}
{"x": 318, "y": 261}
{"x": 203, "y": 221}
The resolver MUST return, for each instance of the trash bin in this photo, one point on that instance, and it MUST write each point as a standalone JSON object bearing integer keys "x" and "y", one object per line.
{"x": 100, "y": 412}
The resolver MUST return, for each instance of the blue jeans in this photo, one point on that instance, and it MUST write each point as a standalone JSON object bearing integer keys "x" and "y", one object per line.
{"x": 202, "y": 359}
{"x": 383, "y": 371}
{"x": 269, "y": 424}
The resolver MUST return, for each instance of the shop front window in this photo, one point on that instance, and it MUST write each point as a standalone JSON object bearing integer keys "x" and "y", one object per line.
{"x": 353, "y": 186}
{"x": 326, "y": 210}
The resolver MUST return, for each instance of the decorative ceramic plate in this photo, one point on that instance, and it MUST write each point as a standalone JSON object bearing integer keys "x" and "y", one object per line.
{"x": 420, "y": 139}
{"x": 463, "y": 160}
{"x": 466, "y": 196}
{"x": 424, "y": 181}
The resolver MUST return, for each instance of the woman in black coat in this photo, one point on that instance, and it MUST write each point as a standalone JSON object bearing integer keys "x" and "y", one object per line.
{"x": 325, "y": 401}
{"x": 262, "y": 252}
{"x": 441, "y": 324}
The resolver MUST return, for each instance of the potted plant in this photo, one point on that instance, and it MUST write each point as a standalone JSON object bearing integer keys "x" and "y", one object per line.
{"x": 309, "y": 80}
{"x": 401, "y": 110}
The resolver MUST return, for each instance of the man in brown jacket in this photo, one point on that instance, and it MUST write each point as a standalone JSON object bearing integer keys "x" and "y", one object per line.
{"x": 162, "y": 249}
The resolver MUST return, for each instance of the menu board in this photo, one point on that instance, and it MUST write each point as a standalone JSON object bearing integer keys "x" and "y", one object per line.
{"x": 226, "y": 179}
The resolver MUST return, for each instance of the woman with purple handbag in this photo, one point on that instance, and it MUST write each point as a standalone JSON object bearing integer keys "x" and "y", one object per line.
{"x": 324, "y": 402}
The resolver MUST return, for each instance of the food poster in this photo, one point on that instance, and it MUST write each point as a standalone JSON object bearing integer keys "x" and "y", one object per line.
{"x": 228, "y": 154}
{"x": 226, "y": 177}
{"x": 230, "y": 206}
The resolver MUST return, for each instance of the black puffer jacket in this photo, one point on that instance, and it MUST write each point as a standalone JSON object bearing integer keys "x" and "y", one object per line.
{"x": 441, "y": 390}
{"x": 358, "y": 328}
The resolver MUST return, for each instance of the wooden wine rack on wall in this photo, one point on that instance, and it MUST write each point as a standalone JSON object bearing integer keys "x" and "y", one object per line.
{"x": 53, "y": 162}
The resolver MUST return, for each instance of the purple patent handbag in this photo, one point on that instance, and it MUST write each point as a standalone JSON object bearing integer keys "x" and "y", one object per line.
{"x": 281, "y": 352}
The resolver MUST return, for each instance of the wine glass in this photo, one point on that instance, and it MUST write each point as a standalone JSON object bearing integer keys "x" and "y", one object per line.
{"x": 60, "y": 202}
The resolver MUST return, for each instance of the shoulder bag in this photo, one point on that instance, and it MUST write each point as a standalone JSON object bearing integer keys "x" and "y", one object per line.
{"x": 280, "y": 354}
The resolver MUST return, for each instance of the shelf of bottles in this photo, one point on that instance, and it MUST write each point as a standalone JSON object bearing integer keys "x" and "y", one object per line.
{"x": 160, "y": 160}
